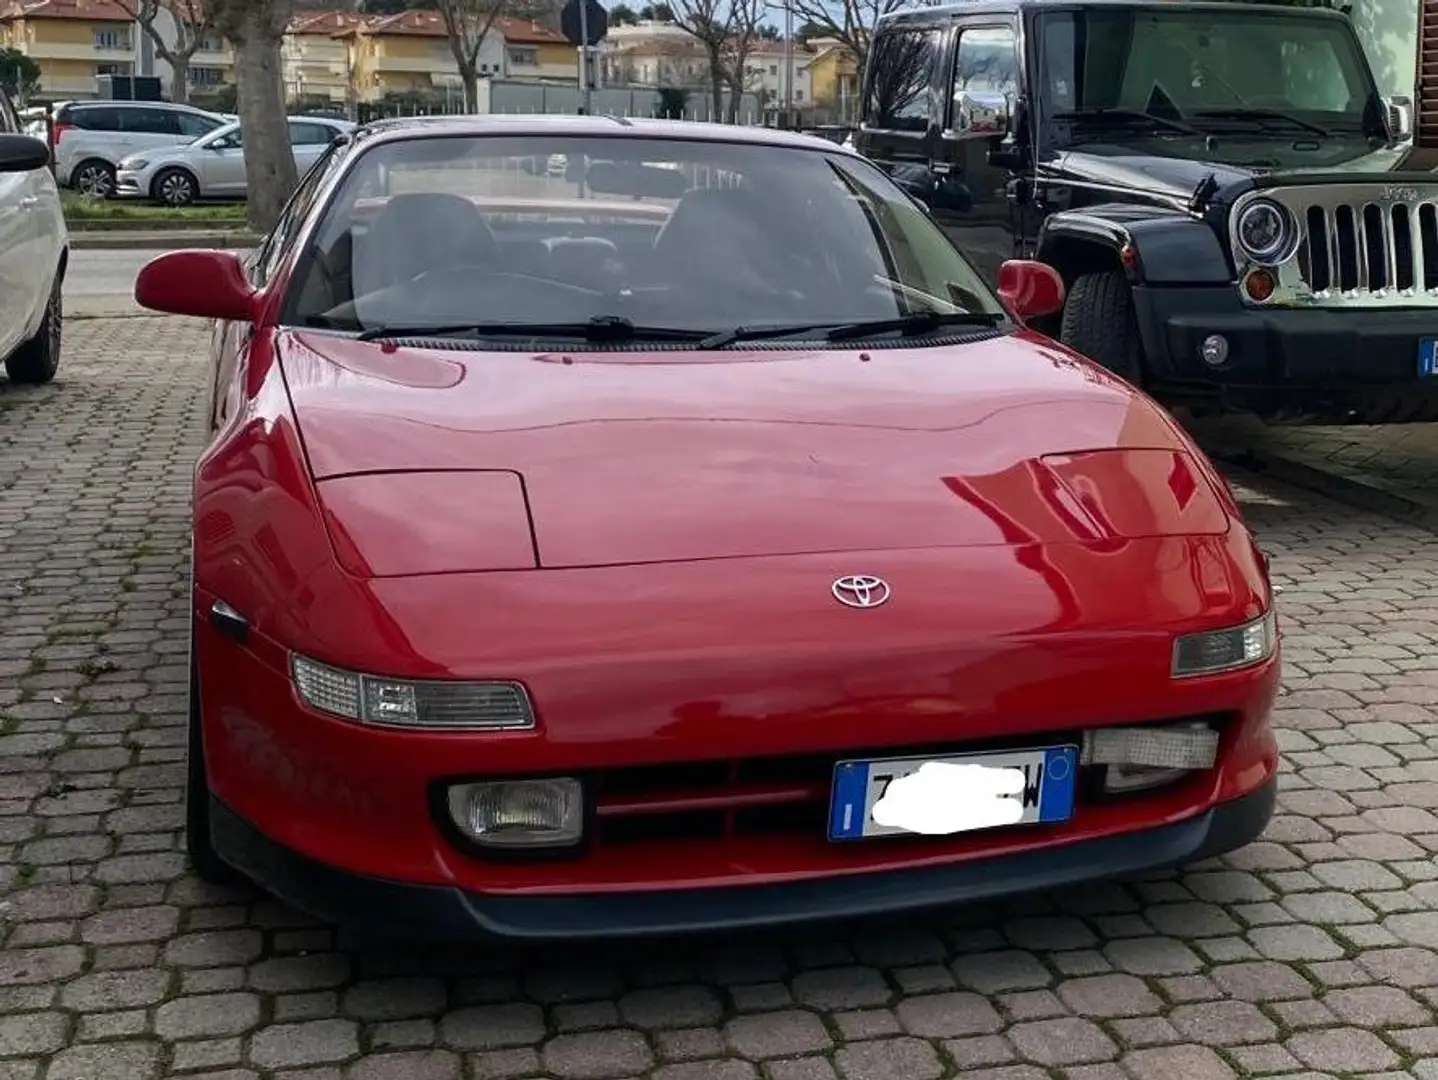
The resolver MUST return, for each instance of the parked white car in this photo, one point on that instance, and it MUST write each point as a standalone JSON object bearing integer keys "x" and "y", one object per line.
{"x": 213, "y": 166}
{"x": 34, "y": 247}
{"x": 91, "y": 137}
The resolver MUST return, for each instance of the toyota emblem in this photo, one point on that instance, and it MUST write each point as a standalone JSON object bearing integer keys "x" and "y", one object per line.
{"x": 860, "y": 590}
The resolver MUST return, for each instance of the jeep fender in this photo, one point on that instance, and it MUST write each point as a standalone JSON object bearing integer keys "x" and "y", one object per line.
{"x": 1152, "y": 246}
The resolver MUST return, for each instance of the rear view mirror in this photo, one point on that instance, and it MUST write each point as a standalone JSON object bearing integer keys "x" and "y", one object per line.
{"x": 1398, "y": 117}
{"x": 1030, "y": 290}
{"x": 206, "y": 283}
{"x": 979, "y": 114}
{"x": 22, "y": 153}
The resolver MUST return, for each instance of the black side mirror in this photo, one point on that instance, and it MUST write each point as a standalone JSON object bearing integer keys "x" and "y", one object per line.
{"x": 22, "y": 153}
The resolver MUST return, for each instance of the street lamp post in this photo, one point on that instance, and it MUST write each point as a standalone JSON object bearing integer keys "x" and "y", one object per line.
{"x": 788, "y": 63}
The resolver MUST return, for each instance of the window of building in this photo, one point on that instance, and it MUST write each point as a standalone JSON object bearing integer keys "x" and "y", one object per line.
{"x": 521, "y": 57}
{"x": 113, "y": 39}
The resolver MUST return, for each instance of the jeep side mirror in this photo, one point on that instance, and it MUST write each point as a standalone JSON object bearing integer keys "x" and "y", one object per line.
{"x": 1398, "y": 117}
{"x": 979, "y": 114}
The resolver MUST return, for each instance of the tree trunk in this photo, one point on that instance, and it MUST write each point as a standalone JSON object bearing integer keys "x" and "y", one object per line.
{"x": 716, "y": 86}
{"x": 469, "y": 77}
{"x": 736, "y": 98}
{"x": 180, "y": 80}
{"x": 270, "y": 174}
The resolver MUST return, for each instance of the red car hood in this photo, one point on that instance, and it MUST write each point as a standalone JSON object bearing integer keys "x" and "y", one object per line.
{"x": 514, "y": 460}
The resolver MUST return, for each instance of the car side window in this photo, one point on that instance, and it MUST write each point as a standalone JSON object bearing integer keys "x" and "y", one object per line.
{"x": 101, "y": 119}
{"x": 986, "y": 61}
{"x": 897, "y": 96}
{"x": 195, "y": 126}
{"x": 310, "y": 134}
{"x": 151, "y": 121}
{"x": 292, "y": 220}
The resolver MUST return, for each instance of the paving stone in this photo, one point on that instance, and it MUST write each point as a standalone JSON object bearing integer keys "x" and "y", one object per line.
{"x": 597, "y": 1055}
{"x": 492, "y": 1027}
{"x": 1342, "y": 1050}
{"x": 1069, "y": 1041}
{"x": 416, "y": 1065}
{"x": 884, "y": 1059}
{"x": 207, "y": 1016}
{"x": 947, "y": 1015}
{"x": 313, "y": 1042}
{"x": 1173, "y": 1062}
{"x": 771, "y": 1035}
{"x": 1109, "y": 996}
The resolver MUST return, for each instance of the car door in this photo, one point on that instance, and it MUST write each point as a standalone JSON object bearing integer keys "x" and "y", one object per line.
{"x": 900, "y": 104}
{"x": 21, "y": 269}
{"x": 972, "y": 197}
{"x": 309, "y": 139}
{"x": 223, "y": 162}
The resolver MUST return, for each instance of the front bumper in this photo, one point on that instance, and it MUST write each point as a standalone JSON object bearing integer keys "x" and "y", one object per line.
{"x": 443, "y": 912}
{"x": 1286, "y": 348}
{"x": 131, "y": 185}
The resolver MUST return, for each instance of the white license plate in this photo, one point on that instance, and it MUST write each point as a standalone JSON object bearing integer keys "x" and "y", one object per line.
{"x": 953, "y": 793}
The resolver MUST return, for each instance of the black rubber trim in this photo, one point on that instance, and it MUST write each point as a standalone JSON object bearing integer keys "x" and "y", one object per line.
{"x": 432, "y": 912}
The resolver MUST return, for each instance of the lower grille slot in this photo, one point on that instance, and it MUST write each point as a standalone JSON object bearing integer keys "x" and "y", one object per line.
{"x": 1404, "y": 263}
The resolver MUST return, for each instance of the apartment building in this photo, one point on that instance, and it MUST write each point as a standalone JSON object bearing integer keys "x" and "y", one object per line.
{"x": 73, "y": 41}
{"x": 410, "y": 53}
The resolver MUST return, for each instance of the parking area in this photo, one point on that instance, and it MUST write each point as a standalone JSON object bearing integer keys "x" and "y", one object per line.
{"x": 1311, "y": 953}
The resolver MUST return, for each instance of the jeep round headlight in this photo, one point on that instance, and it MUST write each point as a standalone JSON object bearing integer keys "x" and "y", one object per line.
{"x": 1266, "y": 232}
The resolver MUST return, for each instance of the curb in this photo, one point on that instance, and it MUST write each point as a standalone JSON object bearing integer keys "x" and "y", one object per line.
{"x": 157, "y": 240}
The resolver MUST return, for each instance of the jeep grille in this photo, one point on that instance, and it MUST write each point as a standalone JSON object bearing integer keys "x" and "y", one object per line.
{"x": 1368, "y": 245}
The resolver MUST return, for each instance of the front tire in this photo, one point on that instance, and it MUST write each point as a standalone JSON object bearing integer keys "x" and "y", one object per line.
{"x": 205, "y": 861}
{"x": 1099, "y": 321}
{"x": 36, "y": 361}
{"x": 175, "y": 187}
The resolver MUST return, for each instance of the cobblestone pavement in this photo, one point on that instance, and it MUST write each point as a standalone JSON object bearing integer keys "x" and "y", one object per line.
{"x": 1311, "y": 953}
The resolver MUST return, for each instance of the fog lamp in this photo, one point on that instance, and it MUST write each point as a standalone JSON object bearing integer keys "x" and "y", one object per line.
{"x": 1214, "y": 350}
{"x": 519, "y": 813}
{"x": 1217, "y": 651}
{"x": 1138, "y": 758}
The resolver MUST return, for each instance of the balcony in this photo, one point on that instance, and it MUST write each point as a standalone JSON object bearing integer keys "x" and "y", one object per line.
{"x": 415, "y": 65}
{"x": 57, "y": 50}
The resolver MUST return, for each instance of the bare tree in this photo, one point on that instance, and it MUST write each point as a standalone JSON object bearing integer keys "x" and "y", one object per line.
{"x": 726, "y": 30}
{"x": 468, "y": 23}
{"x": 256, "y": 29}
{"x": 850, "y": 22}
{"x": 193, "y": 21}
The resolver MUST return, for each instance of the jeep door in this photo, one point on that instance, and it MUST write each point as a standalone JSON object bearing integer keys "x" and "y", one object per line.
{"x": 971, "y": 197}
{"x": 900, "y": 133}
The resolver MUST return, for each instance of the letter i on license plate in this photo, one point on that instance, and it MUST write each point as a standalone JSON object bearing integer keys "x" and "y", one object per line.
{"x": 942, "y": 795}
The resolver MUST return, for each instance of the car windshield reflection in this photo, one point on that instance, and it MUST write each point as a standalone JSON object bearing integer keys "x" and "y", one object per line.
{"x": 675, "y": 234}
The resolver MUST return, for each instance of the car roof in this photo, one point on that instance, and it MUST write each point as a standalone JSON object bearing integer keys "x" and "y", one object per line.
{"x": 554, "y": 124}
{"x": 945, "y": 11}
{"x": 113, "y": 103}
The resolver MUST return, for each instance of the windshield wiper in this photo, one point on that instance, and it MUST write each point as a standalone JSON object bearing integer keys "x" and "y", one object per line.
{"x": 601, "y": 328}
{"x": 918, "y": 322}
{"x": 1258, "y": 115}
{"x": 1128, "y": 116}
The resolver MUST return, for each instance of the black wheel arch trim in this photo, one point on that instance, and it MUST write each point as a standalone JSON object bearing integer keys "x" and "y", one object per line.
{"x": 1167, "y": 247}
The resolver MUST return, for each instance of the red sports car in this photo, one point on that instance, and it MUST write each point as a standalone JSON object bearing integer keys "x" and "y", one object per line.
{"x": 686, "y": 538}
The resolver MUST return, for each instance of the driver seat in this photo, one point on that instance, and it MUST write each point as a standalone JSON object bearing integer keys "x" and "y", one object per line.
{"x": 415, "y": 233}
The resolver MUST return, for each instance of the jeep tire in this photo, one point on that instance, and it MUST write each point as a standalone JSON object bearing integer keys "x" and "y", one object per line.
{"x": 1099, "y": 321}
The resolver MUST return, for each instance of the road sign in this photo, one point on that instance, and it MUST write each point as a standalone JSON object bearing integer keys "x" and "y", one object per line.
{"x": 584, "y": 22}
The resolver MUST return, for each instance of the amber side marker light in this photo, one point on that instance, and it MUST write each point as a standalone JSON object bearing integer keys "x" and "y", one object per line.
{"x": 1259, "y": 285}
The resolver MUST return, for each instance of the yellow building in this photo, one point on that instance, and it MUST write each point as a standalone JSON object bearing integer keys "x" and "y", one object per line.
{"x": 410, "y": 53}
{"x": 73, "y": 41}
{"x": 317, "y": 56}
{"x": 833, "y": 78}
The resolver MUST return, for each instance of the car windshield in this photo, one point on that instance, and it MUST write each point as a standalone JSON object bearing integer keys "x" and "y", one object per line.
{"x": 1235, "y": 75}
{"x": 684, "y": 234}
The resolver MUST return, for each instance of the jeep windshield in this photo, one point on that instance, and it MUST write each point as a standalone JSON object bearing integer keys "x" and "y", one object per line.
{"x": 1239, "y": 83}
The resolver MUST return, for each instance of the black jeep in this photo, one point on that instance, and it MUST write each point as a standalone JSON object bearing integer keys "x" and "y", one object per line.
{"x": 1220, "y": 184}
